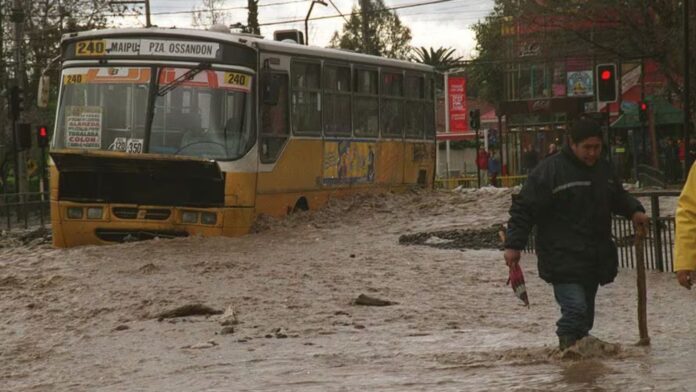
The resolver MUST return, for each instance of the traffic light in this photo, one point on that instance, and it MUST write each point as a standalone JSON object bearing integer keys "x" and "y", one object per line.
{"x": 606, "y": 82}
{"x": 22, "y": 136}
{"x": 475, "y": 119}
{"x": 643, "y": 111}
{"x": 42, "y": 138}
{"x": 16, "y": 102}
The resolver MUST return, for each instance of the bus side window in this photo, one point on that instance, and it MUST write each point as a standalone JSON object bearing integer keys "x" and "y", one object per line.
{"x": 274, "y": 119}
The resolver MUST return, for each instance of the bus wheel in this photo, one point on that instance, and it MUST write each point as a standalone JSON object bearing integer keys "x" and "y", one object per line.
{"x": 301, "y": 205}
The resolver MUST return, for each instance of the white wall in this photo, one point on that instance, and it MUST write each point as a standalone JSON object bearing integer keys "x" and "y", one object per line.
{"x": 460, "y": 160}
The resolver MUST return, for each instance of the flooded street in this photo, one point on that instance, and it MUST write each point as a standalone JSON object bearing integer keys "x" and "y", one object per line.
{"x": 86, "y": 319}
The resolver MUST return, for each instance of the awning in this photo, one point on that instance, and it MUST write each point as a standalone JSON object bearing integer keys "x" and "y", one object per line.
{"x": 665, "y": 114}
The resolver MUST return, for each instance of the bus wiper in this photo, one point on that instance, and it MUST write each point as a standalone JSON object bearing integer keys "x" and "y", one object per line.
{"x": 188, "y": 75}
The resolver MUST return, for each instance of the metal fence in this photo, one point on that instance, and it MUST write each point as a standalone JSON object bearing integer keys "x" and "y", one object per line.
{"x": 24, "y": 210}
{"x": 471, "y": 182}
{"x": 658, "y": 244}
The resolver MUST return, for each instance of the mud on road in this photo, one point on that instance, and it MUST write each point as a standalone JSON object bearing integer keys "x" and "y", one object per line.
{"x": 277, "y": 310}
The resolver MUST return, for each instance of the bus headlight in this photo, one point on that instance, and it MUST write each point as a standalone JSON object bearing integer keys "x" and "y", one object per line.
{"x": 208, "y": 218}
{"x": 189, "y": 217}
{"x": 94, "y": 213}
{"x": 74, "y": 212}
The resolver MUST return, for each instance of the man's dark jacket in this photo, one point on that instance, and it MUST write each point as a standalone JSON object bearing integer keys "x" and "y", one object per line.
{"x": 571, "y": 205}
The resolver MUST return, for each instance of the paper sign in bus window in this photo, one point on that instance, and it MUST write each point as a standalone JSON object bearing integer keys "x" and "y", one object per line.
{"x": 83, "y": 126}
{"x": 131, "y": 146}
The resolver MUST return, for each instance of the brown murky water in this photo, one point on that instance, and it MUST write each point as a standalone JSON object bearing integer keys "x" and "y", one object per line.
{"x": 84, "y": 319}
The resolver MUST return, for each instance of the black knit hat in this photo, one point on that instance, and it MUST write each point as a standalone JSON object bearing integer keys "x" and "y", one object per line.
{"x": 584, "y": 128}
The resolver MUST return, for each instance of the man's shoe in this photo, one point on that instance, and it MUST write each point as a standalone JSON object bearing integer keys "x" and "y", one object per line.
{"x": 566, "y": 341}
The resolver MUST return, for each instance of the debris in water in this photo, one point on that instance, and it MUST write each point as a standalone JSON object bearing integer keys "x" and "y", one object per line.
{"x": 485, "y": 238}
{"x": 188, "y": 310}
{"x": 229, "y": 317}
{"x": 208, "y": 344}
{"x": 371, "y": 301}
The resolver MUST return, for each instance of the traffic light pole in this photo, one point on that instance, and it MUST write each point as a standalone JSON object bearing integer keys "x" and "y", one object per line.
{"x": 478, "y": 166}
{"x": 42, "y": 173}
{"x": 21, "y": 185}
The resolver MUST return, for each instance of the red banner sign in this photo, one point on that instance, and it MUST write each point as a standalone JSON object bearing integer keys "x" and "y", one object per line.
{"x": 456, "y": 91}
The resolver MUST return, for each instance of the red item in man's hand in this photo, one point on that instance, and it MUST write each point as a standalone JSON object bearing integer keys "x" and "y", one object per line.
{"x": 516, "y": 280}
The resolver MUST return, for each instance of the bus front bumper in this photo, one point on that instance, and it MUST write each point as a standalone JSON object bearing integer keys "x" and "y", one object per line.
{"x": 98, "y": 223}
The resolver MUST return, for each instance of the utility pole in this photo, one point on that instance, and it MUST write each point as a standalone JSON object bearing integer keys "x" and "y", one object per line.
{"x": 687, "y": 91}
{"x": 21, "y": 183}
{"x": 364, "y": 12}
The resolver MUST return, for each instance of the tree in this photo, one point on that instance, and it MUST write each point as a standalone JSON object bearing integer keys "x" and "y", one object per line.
{"x": 486, "y": 71}
{"x": 386, "y": 35}
{"x": 440, "y": 58}
{"x": 209, "y": 13}
{"x": 253, "y": 18}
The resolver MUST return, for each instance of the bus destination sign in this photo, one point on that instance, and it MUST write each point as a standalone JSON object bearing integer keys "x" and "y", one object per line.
{"x": 147, "y": 47}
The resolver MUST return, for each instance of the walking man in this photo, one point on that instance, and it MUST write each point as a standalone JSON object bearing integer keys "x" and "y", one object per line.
{"x": 570, "y": 197}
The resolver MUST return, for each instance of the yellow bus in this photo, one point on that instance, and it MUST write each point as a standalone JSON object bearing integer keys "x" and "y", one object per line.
{"x": 172, "y": 132}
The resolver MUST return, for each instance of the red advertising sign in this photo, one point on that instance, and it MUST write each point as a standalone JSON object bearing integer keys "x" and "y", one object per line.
{"x": 456, "y": 91}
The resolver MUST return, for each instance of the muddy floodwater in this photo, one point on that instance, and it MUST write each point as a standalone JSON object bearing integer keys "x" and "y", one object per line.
{"x": 91, "y": 318}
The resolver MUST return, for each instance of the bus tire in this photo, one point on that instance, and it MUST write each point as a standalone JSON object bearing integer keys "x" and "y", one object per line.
{"x": 301, "y": 205}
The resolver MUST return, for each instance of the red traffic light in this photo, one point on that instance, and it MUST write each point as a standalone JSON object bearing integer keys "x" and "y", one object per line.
{"x": 605, "y": 75}
{"x": 643, "y": 106}
{"x": 42, "y": 136}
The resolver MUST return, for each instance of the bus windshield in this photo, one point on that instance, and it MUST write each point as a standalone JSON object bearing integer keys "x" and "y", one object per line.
{"x": 203, "y": 114}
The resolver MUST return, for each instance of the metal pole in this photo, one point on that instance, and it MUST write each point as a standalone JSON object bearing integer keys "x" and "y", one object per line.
{"x": 478, "y": 169}
{"x": 687, "y": 91}
{"x": 18, "y": 19}
{"x": 447, "y": 126}
{"x": 147, "y": 14}
{"x": 306, "y": 20}
{"x": 640, "y": 283}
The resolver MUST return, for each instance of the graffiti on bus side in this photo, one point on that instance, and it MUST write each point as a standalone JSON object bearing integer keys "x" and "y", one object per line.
{"x": 347, "y": 162}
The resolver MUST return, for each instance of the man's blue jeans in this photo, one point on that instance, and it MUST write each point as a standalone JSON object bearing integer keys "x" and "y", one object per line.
{"x": 577, "y": 302}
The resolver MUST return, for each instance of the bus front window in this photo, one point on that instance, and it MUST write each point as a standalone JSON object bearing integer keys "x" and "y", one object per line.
{"x": 203, "y": 116}
{"x": 105, "y": 108}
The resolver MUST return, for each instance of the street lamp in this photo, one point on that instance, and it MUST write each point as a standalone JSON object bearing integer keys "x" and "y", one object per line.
{"x": 306, "y": 29}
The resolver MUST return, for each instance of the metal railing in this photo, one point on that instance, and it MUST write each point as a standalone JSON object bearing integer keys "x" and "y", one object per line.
{"x": 470, "y": 182}
{"x": 658, "y": 246}
{"x": 24, "y": 210}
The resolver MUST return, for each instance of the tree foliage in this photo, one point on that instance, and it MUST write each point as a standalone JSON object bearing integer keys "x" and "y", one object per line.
{"x": 209, "y": 13}
{"x": 486, "y": 71}
{"x": 440, "y": 58}
{"x": 385, "y": 34}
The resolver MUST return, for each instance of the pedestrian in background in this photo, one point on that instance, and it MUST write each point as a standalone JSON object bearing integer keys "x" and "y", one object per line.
{"x": 570, "y": 198}
{"x": 553, "y": 150}
{"x": 493, "y": 169}
{"x": 482, "y": 164}
{"x": 530, "y": 158}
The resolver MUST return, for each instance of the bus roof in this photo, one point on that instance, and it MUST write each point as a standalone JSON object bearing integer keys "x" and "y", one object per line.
{"x": 254, "y": 41}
